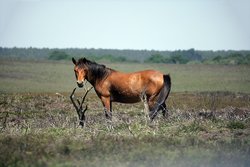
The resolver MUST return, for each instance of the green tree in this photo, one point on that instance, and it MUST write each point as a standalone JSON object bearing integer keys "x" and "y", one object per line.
{"x": 58, "y": 55}
{"x": 178, "y": 59}
{"x": 217, "y": 59}
{"x": 156, "y": 58}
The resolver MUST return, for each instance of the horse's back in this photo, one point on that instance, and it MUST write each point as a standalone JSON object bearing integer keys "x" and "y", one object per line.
{"x": 138, "y": 79}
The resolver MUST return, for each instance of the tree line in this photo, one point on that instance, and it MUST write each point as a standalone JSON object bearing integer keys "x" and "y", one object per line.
{"x": 142, "y": 56}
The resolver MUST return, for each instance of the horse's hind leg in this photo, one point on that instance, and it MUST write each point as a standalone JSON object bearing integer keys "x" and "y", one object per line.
{"x": 164, "y": 110}
{"x": 154, "y": 110}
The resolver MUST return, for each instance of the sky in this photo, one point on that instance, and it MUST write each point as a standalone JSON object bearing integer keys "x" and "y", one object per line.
{"x": 126, "y": 24}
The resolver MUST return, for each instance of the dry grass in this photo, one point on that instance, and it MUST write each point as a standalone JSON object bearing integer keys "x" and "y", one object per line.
{"x": 203, "y": 129}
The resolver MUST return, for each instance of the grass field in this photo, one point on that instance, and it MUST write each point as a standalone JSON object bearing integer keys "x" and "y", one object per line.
{"x": 208, "y": 123}
{"x": 59, "y": 77}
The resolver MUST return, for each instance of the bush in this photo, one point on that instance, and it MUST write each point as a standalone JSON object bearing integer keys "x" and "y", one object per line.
{"x": 233, "y": 58}
{"x": 109, "y": 58}
{"x": 156, "y": 58}
{"x": 175, "y": 59}
{"x": 58, "y": 55}
{"x": 178, "y": 59}
{"x": 236, "y": 125}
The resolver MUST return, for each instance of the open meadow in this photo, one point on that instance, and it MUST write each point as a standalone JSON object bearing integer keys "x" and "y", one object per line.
{"x": 208, "y": 122}
{"x": 51, "y": 77}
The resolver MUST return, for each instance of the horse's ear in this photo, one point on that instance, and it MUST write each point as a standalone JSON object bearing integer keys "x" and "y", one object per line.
{"x": 73, "y": 60}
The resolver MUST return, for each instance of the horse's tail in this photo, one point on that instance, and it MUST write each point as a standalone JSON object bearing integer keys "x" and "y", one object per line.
{"x": 163, "y": 95}
{"x": 165, "y": 90}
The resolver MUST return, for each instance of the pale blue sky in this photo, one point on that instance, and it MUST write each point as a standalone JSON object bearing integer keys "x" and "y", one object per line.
{"x": 126, "y": 24}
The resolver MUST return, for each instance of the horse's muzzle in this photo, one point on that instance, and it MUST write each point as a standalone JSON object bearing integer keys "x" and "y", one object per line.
{"x": 80, "y": 84}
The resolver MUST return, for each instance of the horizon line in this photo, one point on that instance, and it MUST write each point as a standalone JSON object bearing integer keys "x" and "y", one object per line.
{"x": 89, "y": 48}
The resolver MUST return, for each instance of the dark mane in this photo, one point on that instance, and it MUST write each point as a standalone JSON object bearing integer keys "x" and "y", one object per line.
{"x": 95, "y": 71}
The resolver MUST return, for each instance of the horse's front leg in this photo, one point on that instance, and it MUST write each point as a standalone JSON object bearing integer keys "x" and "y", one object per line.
{"x": 107, "y": 107}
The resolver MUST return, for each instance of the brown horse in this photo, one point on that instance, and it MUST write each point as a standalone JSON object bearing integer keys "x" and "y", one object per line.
{"x": 114, "y": 86}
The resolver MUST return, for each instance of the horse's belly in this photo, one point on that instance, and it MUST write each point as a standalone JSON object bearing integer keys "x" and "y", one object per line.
{"x": 124, "y": 97}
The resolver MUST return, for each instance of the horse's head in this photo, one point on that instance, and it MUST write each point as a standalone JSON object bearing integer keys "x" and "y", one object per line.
{"x": 80, "y": 71}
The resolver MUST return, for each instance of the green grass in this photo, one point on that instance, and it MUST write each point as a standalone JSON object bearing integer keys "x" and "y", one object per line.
{"x": 59, "y": 77}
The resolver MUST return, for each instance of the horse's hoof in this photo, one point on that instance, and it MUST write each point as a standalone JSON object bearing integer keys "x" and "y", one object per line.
{"x": 152, "y": 115}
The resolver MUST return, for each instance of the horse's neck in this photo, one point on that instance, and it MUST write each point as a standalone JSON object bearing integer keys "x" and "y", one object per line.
{"x": 97, "y": 75}
{"x": 90, "y": 78}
